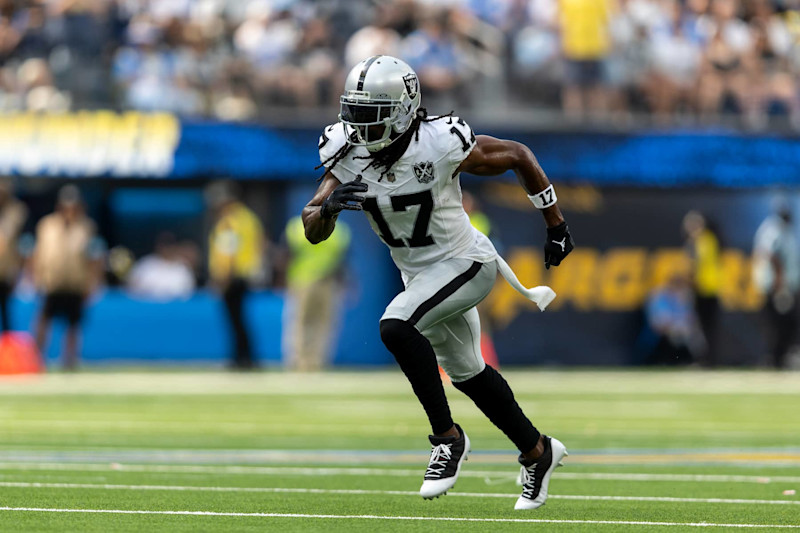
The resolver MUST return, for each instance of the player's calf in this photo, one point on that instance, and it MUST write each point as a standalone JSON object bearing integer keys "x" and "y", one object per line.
{"x": 493, "y": 396}
{"x": 415, "y": 356}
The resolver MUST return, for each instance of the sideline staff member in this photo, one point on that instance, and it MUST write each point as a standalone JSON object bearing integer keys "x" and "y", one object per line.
{"x": 65, "y": 268}
{"x": 235, "y": 261}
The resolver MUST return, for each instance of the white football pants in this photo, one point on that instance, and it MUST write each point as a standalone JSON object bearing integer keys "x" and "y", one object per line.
{"x": 440, "y": 302}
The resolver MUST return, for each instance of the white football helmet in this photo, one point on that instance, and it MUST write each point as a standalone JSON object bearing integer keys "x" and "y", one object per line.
{"x": 379, "y": 91}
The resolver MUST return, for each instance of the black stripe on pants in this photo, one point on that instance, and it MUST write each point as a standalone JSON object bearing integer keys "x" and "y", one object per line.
{"x": 445, "y": 292}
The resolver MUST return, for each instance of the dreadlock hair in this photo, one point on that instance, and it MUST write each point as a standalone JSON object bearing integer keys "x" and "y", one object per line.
{"x": 384, "y": 159}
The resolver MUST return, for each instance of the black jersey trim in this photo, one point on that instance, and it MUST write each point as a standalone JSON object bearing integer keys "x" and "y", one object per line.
{"x": 445, "y": 292}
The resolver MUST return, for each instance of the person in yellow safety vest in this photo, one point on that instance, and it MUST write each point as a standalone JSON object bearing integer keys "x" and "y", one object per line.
{"x": 236, "y": 247}
{"x": 314, "y": 282}
{"x": 703, "y": 247}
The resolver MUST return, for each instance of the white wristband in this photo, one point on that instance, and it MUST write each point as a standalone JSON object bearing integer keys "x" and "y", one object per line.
{"x": 544, "y": 199}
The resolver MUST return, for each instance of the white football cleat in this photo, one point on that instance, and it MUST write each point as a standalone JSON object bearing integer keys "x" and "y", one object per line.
{"x": 447, "y": 454}
{"x": 535, "y": 476}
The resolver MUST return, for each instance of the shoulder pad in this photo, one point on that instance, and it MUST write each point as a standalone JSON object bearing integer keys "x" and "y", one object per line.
{"x": 332, "y": 139}
{"x": 454, "y": 137}
{"x": 461, "y": 135}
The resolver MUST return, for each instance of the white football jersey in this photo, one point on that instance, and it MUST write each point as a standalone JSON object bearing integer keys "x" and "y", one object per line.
{"x": 415, "y": 208}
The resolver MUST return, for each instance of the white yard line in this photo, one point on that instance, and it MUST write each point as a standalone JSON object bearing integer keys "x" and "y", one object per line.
{"x": 295, "y": 490}
{"x": 689, "y": 478}
{"x": 366, "y": 384}
{"x": 338, "y": 471}
{"x": 412, "y": 518}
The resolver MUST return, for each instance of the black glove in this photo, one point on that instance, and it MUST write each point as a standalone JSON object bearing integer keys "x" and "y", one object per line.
{"x": 558, "y": 245}
{"x": 343, "y": 197}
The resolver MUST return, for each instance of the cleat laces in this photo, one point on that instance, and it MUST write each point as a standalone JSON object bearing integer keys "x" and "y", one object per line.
{"x": 440, "y": 455}
{"x": 528, "y": 481}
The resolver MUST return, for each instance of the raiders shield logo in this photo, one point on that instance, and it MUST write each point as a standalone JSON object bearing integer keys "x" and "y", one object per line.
{"x": 424, "y": 172}
{"x": 412, "y": 85}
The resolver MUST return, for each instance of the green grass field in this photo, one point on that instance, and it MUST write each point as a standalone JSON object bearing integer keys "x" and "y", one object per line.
{"x": 205, "y": 451}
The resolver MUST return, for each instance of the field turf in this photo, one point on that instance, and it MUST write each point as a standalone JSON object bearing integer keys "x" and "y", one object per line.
{"x": 272, "y": 451}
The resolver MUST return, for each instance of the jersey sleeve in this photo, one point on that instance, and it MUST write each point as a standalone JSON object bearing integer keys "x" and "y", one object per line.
{"x": 330, "y": 142}
{"x": 460, "y": 140}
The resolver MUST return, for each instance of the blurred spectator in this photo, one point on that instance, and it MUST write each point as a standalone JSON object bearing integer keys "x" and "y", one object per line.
{"x": 432, "y": 53}
{"x": 151, "y": 80}
{"x": 703, "y": 247}
{"x": 314, "y": 284}
{"x": 234, "y": 60}
{"x": 728, "y": 61}
{"x": 36, "y": 82}
{"x": 776, "y": 272}
{"x": 675, "y": 62}
{"x": 67, "y": 267}
{"x": 586, "y": 43}
{"x": 671, "y": 318}
{"x": 536, "y": 56}
{"x": 481, "y": 45}
{"x": 266, "y": 38}
{"x": 378, "y": 38}
{"x": 13, "y": 214}
{"x": 774, "y": 85}
{"x": 235, "y": 102}
{"x": 235, "y": 262}
{"x": 313, "y": 72}
{"x": 164, "y": 274}
{"x": 35, "y": 39}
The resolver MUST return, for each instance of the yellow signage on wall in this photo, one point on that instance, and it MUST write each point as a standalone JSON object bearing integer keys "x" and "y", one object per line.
{"x": 618, "y": 279}
{"x": 88, "y": 143}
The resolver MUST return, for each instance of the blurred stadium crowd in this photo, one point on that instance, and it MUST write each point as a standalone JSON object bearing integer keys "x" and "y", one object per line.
{"x": 244, "y": 59}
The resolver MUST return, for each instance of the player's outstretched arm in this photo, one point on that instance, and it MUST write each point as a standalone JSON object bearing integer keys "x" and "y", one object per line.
{"x": 331, "y": 198}
{"x": 492, "y": 157}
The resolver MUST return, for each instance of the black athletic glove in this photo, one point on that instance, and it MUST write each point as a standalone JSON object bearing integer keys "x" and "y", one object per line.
{"x": 558, "y": 245}
{"x": 343, "y": 197}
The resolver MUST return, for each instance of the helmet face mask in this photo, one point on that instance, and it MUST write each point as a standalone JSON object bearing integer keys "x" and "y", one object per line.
{"x": 370, "y": 121}
{"x": 380, "y": 102}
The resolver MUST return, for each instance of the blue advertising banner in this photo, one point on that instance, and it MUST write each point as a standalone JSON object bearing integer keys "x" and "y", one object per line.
{"x": 139, "y": 145}
{"x": 640, "y": 159}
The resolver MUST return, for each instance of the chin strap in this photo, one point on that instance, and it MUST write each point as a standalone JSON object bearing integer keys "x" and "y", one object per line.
{"x": 375, "y": 148}
{"x": 541, "y": 295}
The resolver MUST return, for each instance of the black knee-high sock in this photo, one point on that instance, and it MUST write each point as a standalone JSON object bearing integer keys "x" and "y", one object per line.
{"x": 491, "y": 393}
{"x": 415, "y": 356}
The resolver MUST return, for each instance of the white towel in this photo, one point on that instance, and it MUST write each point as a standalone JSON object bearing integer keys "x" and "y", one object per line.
{"x": 541, "y": 295}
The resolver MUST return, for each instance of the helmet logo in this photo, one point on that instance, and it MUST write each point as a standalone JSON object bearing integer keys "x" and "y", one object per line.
{"x": 412, "y": 85}
{"x": 424, "y": 172}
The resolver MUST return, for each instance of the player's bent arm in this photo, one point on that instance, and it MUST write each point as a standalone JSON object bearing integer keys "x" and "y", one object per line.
{"x": 492, "y": 157}
{"x": 319, "y": 228}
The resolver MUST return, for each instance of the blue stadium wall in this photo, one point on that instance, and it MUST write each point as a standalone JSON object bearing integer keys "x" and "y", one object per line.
{"x": 624, "y": 196}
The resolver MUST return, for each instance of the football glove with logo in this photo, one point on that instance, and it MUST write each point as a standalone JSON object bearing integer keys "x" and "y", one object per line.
{"x": 343, "y": 197}
{"x": 558, "y": 245}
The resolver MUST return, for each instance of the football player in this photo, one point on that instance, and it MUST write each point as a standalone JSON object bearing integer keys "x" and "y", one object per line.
{"x": 387, "y": 157}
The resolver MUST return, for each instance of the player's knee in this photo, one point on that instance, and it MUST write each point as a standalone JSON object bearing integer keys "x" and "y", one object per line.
{"x": 462, "y": 374}
{"x": 475, "y": 383}
{"x": 395, "y": 333}
{"x": 488, "y": 382}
